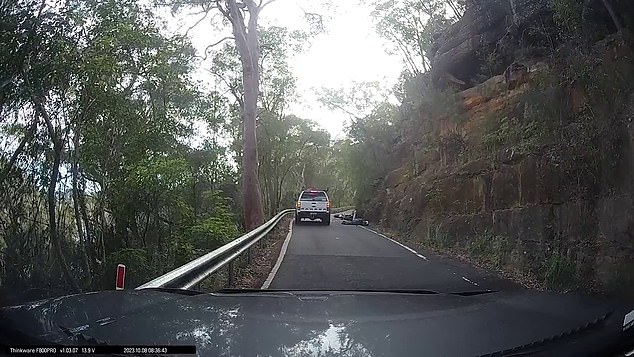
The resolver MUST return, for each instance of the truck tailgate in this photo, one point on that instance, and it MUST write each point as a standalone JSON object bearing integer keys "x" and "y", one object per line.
{"x": 313, "y": 206}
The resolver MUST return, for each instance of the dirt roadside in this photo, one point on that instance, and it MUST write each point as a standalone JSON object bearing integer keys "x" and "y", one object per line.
{"x": 263, "y": 258}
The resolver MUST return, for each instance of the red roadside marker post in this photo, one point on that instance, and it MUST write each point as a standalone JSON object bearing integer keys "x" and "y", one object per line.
{"x": 120, "y": 281}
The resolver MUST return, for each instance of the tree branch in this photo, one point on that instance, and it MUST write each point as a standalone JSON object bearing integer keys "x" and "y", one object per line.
{"x": 214, "y": 44}
{"x": 232, "y": 89}
{"x": 343, "y": 109}
{"x": 224, "y": 11}
{"x": 264, "y": 3}
{"x": 18, "y": 151}
{"x": 205, "y": 14}
{"x": 455, "y": 9}
{"x": 614, "y": 16}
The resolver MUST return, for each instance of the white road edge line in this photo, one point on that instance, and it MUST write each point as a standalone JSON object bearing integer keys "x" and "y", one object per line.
{"x": 393, "y": 241}
{"x": 276, "y": 267}
{"x": 469, "y": 281}
{"x": 421, "y": 256}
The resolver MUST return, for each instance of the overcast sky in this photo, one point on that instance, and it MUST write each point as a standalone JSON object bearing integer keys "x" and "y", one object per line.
{"x": 349, "y": 51}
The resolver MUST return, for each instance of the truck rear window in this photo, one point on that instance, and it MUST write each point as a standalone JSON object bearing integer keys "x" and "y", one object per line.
{"x": 313, "y": 196}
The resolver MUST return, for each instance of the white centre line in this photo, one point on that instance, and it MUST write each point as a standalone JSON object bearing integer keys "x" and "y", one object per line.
{"x": 393, "y": 241}
{"x": 271, "y": 276}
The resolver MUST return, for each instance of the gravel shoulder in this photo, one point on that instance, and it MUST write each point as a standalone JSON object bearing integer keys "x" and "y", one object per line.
{"x": 263, "y": 258}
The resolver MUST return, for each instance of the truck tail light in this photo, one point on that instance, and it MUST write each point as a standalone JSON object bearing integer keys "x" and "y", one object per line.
{"x": 328, "y": 204}
{"x": 298, "y": 205}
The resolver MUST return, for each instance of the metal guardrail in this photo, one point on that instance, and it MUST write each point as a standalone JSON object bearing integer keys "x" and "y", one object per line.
{"x": 341, "y": 209}
{"x": 192, "y": 273}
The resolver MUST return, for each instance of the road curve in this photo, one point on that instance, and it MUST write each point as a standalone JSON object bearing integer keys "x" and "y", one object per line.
{"x": 342, "y": 257}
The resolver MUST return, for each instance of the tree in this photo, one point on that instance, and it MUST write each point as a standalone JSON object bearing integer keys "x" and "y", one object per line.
{"x": 277, "y": 91}
{"x": 243, "y": 17}
{"x": 411, "y": 27}
{"x": 357, "y": 100}
{"x": 356, "y": 162}
{"x": 246, "y": 39}
{"x": 572, "y": 16}
{"x": 97, "y": 109}
{"x": 285, "y": 144}
{"x": 33, "y": 79}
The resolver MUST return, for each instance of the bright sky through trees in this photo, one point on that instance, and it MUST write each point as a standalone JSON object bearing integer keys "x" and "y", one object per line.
{"x": 350, "y": 50}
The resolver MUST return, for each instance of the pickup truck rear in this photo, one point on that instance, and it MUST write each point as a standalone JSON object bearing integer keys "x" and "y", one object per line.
{"x": 313, "y": 205}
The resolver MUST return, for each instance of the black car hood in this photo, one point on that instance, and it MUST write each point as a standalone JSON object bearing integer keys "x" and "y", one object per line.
{"x": 324, "y": 323}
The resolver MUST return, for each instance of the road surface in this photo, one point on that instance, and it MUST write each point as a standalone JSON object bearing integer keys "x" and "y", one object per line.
{"x": 342, "y": 257}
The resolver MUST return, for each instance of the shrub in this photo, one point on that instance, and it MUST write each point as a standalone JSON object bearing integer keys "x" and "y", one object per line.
{"x": 559, "y": 272}
{"x": 138, "y": 271}
{"x": 493, "y": 248}
{"x": 511, "y": 133}
{"x": 439, "y": 239}
{"x": 568, "y": 15}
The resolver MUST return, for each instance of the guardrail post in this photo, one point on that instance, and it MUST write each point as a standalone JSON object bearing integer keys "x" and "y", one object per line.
{"x": 248, "y": 255}
{"x": 230, "y": 280}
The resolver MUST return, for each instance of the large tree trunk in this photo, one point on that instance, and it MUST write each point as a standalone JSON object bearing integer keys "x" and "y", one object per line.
{"x": 247, "y": 44}
{"x": 78, "y": 217}
{"x": 615, "y": 18}
{"x": 102, "y": 223}
{"x": 194, "y": 197}
{"x": 52, "y": 185}
{"x": 88, "y": 225}
{"x": 253, "y": 214}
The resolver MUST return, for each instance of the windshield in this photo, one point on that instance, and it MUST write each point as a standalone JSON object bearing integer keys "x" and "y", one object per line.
{"x": 313, "y": 196}
{"x": 463, "y": 148}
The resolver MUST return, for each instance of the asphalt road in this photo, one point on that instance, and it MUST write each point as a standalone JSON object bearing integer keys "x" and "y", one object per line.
{"x": 342, "y": 257}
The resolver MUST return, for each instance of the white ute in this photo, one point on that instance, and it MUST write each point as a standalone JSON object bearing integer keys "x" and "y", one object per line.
{"x": 313, "y": 204}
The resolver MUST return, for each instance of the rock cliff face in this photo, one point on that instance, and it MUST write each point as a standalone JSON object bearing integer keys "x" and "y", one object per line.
{"x": 494, "y": 33}
{"x": 530, "y": 171}
{"x": 498, "y": 28}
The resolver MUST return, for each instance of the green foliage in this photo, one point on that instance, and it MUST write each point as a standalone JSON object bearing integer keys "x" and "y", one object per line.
{"x": 521, "y": 136}
{"x": 354, "y": 165}
{"x": 559, "y": 272}
{"x": 410, "y": 26}
{"x": 434, "y": 195}
{"x": 606, "y": 80}
{"x": 453, "y": 146}
{"x": 283, "y": 146}
{"x": 436, "y": 104}
{"x": 495, "y": 249}
{"x": 491, "y": 62}
{"x": 367, "y": 151}
{"x": 184, "y": 251}
{"x": 138, "y": 271}
{"x": 439, "y": 239}
{"x": 158, "y": 175}
{"x": 211, "y": 233}
{"x": 357, "y": 100}
{"x": 122, "y": 101}
{"x": 568, "y": 15}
